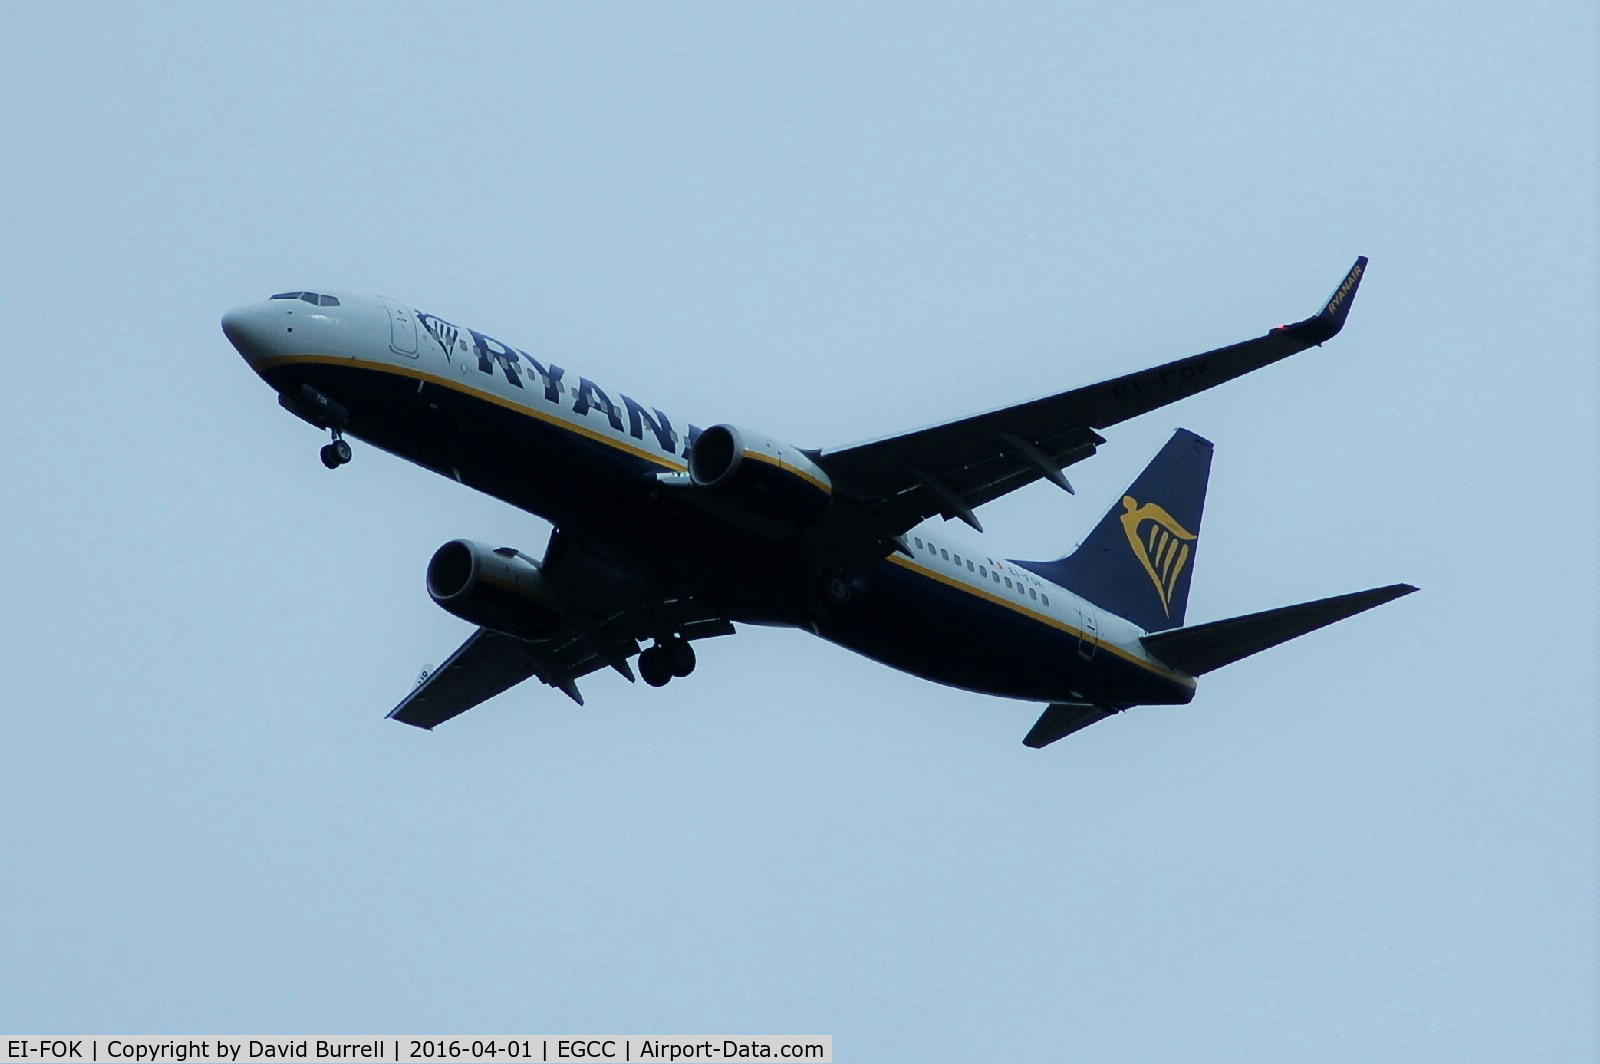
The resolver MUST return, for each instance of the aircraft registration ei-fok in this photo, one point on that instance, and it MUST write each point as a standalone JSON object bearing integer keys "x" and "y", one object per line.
{"x": 725, "y": 525}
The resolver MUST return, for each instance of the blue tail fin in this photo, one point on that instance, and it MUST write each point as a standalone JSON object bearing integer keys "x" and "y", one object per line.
{"x": 1138, "y": 560}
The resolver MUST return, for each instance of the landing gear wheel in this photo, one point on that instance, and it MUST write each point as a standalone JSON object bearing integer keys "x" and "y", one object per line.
{"x": 335, "y": 454}
{"x": 681, "y": 656}
{"x": 837, "y": 590}
{"x": 655, "y": 667}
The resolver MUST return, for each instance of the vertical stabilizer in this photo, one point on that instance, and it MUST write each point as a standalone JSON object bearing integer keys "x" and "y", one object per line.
{"x": 1138, "y": 560}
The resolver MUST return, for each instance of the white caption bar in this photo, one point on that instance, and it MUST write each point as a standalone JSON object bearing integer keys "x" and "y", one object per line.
{"x": 391, "y": 1050}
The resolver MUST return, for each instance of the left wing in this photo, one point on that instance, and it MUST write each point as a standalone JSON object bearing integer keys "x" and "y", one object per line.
{"x": 952, "y": 468}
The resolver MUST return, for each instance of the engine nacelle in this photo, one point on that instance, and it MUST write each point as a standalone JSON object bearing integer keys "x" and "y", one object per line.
{"x": 494, "y": 588}
{"x": 758, "y": 476}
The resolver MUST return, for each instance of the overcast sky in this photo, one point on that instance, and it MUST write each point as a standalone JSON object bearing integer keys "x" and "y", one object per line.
{"x": 829, "y": 224}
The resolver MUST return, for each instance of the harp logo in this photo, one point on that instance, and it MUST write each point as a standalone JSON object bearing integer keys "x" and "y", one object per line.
{"x": 1162, "y": 545}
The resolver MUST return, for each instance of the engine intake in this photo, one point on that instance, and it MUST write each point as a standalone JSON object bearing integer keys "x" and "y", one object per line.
{"x": 760, "y": 477}
{"x": 494, "y": 588}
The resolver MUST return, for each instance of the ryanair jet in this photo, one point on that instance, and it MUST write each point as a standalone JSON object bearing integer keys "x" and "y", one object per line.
{"x": 727, "y": 526}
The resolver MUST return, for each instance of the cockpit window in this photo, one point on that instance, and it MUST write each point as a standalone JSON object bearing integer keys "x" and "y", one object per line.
{"x": 316, "y": 299}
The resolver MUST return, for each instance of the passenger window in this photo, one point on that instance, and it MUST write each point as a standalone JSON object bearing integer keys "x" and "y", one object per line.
{"x": 996, "y": 577}
{"x": 1045, "y": 599}
{"x": 983, "y": 572}
{"x": 958, "y": 559}
{"x": 919, "y": 542}
{"x": 1008, "y": 582}
{"x": 944, "y": 554}
{"x": 1032, "y": 593}
{"x": 970, "y": 567}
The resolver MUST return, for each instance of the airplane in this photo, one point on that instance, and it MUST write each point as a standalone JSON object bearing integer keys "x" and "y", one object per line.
{"x": 666, "y": 533}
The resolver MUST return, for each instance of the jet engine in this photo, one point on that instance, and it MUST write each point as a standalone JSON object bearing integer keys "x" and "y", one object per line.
{"x": 759, "y": 477}
{"x": 498, "y": 588}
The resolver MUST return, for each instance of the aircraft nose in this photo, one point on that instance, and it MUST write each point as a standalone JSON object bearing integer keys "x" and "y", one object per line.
{"x": 251, "y": 330}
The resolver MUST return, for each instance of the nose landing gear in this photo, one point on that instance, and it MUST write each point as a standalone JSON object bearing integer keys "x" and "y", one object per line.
{"x": 337, "y": 453}
{"x": 668, "y": 658}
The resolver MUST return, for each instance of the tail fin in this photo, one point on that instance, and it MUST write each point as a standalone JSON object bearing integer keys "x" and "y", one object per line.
{"x": 1138, "y": 560}
{"x": 1205, "y": 647}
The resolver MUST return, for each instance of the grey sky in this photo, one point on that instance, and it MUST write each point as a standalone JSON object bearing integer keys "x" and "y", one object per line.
{"x": 1376, "y": 843}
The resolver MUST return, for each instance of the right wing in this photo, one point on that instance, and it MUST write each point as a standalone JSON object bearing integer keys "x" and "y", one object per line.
{"x": 952, "y": 468}
{"x": 491, "y": 662}
{"x": 482, "y": 667}
{"x": 602, "y": 628}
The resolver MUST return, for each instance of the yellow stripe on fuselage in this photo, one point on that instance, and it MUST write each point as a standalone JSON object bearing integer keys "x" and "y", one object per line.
{"x": 1033, "y": 615}
{"x": 671, "y": 462}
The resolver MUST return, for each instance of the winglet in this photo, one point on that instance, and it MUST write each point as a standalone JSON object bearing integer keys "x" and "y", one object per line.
{"x": 1327, "y": 322}
{"x": 1338, "y": 307}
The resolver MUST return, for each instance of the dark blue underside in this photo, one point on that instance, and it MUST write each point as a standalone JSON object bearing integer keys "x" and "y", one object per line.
{"x": 953, "y": 636}
{"x": 903, "y": 618}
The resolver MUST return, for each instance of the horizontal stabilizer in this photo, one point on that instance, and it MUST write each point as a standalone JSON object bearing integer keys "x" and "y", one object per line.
{"x": 1202, "y": 648}
{"x": 1061, "y": 719}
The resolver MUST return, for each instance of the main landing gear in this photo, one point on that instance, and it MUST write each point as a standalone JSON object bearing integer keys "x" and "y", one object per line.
{"x": 337, "y": 453}
{"x": 668, "y": 658}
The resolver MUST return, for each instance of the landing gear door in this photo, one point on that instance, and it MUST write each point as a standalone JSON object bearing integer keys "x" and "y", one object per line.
{"x": 402, "y": 328}
{"x": 1088, "y": 632}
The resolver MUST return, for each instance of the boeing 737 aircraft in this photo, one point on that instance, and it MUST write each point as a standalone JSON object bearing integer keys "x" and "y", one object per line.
{"x": 666, "y": 533}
